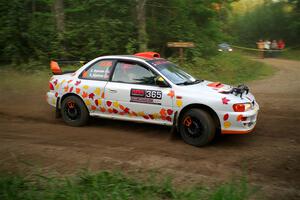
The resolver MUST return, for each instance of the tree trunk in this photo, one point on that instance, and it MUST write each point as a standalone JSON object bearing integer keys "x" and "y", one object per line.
{"x": 33, "y": 6}
{"x": 141, "y": 23}
{"x": 58, "y": 9}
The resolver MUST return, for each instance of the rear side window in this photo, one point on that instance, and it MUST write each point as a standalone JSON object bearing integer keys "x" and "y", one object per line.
{"x": 133, "y": 73}
{"x": 99, "y": 71}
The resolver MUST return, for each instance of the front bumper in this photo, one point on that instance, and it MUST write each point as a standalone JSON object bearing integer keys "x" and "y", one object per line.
{"x": 239, "y": 122}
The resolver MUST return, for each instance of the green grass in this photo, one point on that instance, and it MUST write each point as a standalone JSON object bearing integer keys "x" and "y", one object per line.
{"x": 293, "y": 54}
{"x": 16, "y": 81}
{"x": 231, "y": 68}
{"x": 33, "y": 75}
{"x": 113, "y": 185}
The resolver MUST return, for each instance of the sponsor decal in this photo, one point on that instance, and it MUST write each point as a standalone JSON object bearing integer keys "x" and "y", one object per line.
{"x": 226, "y": 116}
{"x": 239, "y": 118}
{"x": 77, "y": 83}
{"x": 146, "y": 96}
{"x": 215, "y": 85}
{"x": 227, "y": 123}
{"x": 171, "y": 93}
{"x": 106, "y": 63}
{"x": 225, "y": 100}
{"x": 95, "y": 102}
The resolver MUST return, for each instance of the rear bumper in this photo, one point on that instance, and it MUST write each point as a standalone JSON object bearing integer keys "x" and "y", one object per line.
{"x": 51, "y": 98}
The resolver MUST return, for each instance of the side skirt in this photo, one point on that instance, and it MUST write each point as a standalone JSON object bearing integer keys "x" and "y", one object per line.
{"x": 139, "y": 120}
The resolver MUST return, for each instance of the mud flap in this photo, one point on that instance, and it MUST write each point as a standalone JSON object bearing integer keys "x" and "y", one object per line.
{"x": 57, "y": 109}
{"x": 174, "y": 129}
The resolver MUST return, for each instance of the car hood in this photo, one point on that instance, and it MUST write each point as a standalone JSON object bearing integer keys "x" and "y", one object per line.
{"x": 210, "y": 90}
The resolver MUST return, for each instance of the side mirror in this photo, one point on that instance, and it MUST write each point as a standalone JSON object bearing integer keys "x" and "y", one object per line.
{"x": 160, "y": 81}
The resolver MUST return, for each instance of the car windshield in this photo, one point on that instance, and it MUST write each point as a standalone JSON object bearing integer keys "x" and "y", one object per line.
{"x": 173, "y": 73}
{"x": 224, "y": 45}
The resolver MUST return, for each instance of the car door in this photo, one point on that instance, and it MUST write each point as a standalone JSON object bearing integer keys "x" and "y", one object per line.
{"x": 91, "y": 84}
{"x": 132, "y": 94}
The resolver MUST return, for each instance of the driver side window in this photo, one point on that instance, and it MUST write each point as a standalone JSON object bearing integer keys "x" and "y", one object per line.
{"x": 133, "y": 73}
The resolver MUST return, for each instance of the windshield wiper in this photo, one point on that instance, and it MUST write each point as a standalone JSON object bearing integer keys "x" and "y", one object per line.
{"x": 189, "y": 82}
{"x": 184, "y": 83}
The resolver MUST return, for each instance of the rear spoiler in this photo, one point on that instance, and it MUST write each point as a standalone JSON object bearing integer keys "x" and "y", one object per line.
{"x": 56, "y": 70}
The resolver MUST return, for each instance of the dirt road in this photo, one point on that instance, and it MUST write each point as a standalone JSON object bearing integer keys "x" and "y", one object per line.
{"x": 32, "y": 139}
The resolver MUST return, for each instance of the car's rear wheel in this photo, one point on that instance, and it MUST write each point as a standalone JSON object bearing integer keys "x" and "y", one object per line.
{"x": 74, "y": 111}
{"x": 197, "y": 127}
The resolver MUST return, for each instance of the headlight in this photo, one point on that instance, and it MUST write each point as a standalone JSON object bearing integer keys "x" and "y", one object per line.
{"x": 229, "y": 49}
{"x": 220, "y": 50}
{"x": 242, "y": 107}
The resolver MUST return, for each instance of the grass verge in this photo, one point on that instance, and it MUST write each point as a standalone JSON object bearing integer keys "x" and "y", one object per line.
{"x": 231, "y": 68}
{"x": 113, "y": 185}
{"x": 293, "y": 54}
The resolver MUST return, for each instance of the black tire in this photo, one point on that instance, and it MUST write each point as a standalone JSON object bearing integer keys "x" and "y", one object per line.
{"x": 197, "y": 127}
{"x": 74, "y": 111}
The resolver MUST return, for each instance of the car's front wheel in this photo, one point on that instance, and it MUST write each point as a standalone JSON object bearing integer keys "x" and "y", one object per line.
{"x": 74, "y": 111}
{"x": 197, "y": 127}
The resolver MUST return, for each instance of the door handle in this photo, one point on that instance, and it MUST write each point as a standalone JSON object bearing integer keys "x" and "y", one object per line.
{"x": 112, "y": 91}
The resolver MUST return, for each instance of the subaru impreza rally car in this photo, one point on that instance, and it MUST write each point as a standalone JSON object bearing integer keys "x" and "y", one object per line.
{"x": 146, "y": 88}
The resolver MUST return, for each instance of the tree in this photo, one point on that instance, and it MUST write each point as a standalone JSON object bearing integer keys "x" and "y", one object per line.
{"x": 268, "y": 20}
{"x": 141, "y": 24}
{"x": 294, "y": 26}
{"x": 58, "y": 9}
{"x": 77, "y": 29}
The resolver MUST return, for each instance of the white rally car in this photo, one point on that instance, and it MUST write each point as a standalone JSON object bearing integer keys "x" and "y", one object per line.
{"x": 146, "y": 88}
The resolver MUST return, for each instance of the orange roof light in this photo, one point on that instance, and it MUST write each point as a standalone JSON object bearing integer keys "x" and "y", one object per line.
{"x": 149, "y": 54}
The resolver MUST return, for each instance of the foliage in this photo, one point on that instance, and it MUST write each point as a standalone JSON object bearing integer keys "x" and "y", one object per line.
{"x": 177, "y": 20}
{"x": 268, "y": 20}
{"x": 93, "y": 28}
{"x": 113, "y": 185}
{"x": 19, "y": 39}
